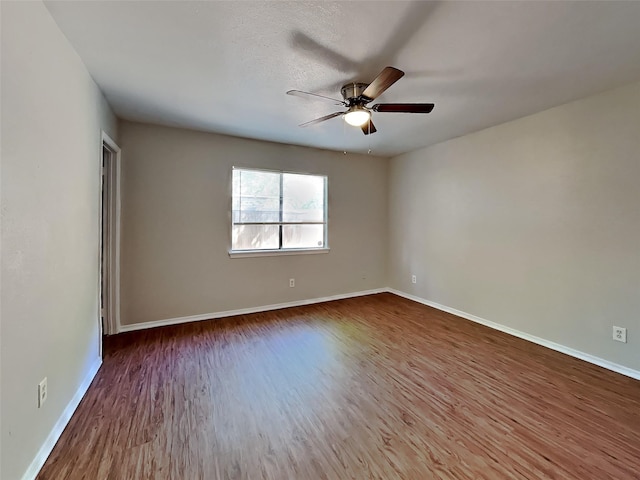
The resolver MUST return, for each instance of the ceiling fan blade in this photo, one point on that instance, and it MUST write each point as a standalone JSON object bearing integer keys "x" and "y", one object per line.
{"x": 404, "y": 107}
{"x": 384, "y": 80}
{"x": 368, "y": 128}
{"x": 321, "y": 119}
{"x": 300, "y": 93}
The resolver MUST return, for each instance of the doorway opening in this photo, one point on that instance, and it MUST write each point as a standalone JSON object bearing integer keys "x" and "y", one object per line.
{"x": 109, "y": 238}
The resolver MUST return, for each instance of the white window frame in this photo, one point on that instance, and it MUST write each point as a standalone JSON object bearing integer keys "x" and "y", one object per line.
{"x": 282, "y": 251}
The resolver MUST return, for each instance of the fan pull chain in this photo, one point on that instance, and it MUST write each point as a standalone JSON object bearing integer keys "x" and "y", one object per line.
{"x": 344, "y": 136}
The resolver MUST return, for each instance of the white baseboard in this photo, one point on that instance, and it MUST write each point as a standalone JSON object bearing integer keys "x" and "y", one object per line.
{"x": 244, "y": 311}
{"x": 62, "y": 422}
{"x": 629, "y": 372}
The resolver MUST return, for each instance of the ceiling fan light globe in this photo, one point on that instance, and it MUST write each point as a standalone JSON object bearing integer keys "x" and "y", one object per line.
{"x": 358, "y": 117}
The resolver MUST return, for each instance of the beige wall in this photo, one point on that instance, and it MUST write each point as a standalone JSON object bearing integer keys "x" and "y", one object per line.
{"x": 52, "y": 113}
{"x": 533, "y": 224}
{"x": 176, "y": 225}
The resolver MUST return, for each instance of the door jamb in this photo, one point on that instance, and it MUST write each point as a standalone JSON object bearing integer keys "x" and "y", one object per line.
{"x": 112, "y": 321}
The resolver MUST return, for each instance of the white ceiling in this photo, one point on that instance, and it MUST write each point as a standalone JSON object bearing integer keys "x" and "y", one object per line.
{"x": 225, "y": 66}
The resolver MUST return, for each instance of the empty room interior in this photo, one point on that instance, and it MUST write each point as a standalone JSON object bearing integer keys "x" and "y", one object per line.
{"x": 320, "y": 240}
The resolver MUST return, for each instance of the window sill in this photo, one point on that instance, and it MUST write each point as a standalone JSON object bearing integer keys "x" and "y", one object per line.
{"x": 276, "y": 253}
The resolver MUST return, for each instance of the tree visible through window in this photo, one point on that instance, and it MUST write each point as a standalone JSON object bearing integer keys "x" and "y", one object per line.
{"x": 278, "y": 210}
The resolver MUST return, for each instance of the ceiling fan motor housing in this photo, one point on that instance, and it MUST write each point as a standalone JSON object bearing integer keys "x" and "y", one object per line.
{"x": 352, "y": 91}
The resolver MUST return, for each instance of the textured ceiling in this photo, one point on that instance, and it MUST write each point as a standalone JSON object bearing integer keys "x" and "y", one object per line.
{"x": 225, "y": 66}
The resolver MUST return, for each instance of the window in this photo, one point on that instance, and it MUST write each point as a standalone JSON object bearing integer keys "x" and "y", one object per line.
{"x": 278, "y": 211}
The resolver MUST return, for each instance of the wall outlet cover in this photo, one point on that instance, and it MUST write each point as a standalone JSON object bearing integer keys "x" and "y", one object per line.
{"x": 42, "y": 392}
{"x": 620, "y": 334}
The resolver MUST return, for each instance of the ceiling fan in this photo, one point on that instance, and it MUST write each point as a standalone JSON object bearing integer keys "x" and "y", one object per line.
{"x": 356, "y": 96}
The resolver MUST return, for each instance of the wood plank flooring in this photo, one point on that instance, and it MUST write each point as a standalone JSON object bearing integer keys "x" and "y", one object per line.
{"x": 375, "y": 387}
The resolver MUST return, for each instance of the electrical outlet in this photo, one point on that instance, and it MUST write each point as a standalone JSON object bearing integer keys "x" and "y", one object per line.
{"x": 42, "y": 392}
{"x": 292, "y": 282}
{"x": 414, "y": 279}
{"x": 620, "y": 334}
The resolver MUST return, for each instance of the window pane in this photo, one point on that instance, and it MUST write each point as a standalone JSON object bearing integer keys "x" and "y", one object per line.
{"x": 256, "y": 196}
{"x": 303, "y": 198}
{"x": 302, "y": 236}
{"x": 254, "y": 237}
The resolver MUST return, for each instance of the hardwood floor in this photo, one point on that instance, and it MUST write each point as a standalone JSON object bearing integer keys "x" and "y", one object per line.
{"x": 375, "y": 387}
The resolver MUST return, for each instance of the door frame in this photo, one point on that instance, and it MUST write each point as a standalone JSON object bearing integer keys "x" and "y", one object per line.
{"x": 112, "y": 172}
